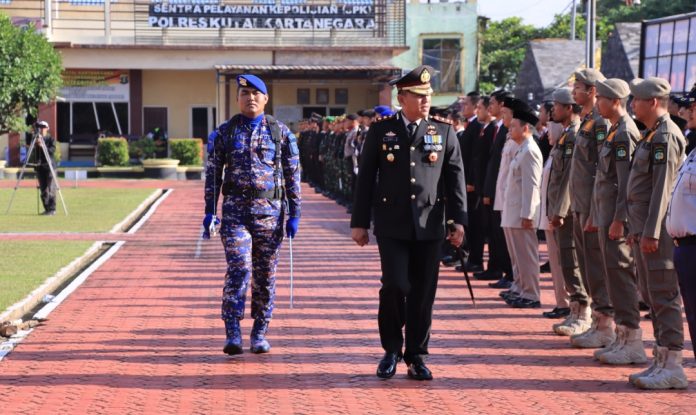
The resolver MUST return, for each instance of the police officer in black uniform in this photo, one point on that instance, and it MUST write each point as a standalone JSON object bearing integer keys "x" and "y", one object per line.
{"x": 411, "y": 182}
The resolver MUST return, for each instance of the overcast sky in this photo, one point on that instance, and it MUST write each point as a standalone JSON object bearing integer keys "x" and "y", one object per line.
{"x": 535, "y": 12}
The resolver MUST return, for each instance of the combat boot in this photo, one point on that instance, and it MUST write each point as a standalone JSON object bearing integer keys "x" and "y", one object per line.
{"x": 670, "y": 375}
{"x": 259, "y": 344}
{"x": 600, "y": 335}
{"x": 629, "y": 350}
{"x": 233, "y": 344}
{"x": 656, "y": 363}
{"x": 579, "y": 324}
{"x": 618, "y": 342}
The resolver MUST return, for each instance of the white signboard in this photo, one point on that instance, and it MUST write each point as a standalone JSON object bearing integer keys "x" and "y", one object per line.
{"x": 97, "y": 85}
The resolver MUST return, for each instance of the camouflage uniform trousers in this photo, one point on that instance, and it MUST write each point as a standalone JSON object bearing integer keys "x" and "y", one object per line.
{"x": 252, "y": 244}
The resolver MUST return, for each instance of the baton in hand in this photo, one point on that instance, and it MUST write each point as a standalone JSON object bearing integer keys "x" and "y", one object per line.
{"x": 460, "y": 255}
{"x": 291, "y": 273}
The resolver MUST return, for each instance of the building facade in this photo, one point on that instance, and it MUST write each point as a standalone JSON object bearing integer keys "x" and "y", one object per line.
{"x": 443, "y": 35}
{"x": 135, "y": 65}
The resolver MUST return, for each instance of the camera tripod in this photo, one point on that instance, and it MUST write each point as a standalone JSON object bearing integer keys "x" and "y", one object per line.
{"x": 32, "y": 147}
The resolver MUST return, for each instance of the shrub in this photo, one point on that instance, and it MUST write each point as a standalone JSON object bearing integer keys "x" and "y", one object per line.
{"x": 112, "y": 152}
{"x": 189, "y": 151}
{"x": 143, "y": 148}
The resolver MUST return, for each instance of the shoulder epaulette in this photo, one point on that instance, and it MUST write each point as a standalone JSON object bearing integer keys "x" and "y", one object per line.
{"x": 442, "y": 119}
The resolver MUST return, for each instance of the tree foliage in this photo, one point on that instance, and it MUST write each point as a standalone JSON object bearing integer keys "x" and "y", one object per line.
{"x": 503, "y": 47}
{"x": 504, "y": 42}
{"x": 30, "y": 74}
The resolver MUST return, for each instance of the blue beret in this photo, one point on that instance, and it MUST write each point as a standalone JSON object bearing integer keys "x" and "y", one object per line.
{"x": 383, "y": 110}
{"x": 252, "y": 81}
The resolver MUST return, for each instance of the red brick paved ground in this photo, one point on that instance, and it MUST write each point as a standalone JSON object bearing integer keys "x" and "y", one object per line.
{"x": 143, "y": 335}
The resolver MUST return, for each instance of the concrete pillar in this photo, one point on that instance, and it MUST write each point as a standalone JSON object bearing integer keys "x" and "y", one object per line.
{"x": 385, "y": 95}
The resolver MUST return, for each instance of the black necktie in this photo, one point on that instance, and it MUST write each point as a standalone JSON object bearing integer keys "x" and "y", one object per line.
{"x": 412, "y": 129}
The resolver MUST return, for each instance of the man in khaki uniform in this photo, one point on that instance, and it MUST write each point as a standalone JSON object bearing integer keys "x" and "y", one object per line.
{"x": 590, "y": 137}
{"x": 611, "y": 216}
{"x": 565, "y": 112}
{"x": 653, "y": 172}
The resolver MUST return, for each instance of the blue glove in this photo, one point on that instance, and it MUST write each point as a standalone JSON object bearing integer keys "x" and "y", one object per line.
{"x": 206, "y": 224}
{"x": 291, "y": 227}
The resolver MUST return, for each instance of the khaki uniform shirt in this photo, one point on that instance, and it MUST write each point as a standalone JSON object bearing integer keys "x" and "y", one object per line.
{"x": 614, "y": 164}
{"x": 653, "y": 171}
{"x": 558, "y": 192}
{"x": 590, "y": 137}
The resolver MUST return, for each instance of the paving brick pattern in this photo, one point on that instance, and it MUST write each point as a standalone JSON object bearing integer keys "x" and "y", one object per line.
{"x": 143, "y": 335}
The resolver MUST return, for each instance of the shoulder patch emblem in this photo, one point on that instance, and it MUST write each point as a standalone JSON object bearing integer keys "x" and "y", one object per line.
{"x": 601, "y": 132}
{"x": 621, "y": 152}
{"x": 659, "y": 153}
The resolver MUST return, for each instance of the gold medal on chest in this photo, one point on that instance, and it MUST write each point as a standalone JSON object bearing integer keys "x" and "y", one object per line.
{"x": 390, "y": 157}
{"x": 432, "y": 157}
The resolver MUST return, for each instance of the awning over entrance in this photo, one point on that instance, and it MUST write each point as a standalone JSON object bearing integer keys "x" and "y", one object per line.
{"x": 371, "y": 72}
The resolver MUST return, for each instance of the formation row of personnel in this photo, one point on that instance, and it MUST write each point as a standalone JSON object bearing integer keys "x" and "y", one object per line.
{"x": 330, "y": 150}
{"x": 603, "y": 198}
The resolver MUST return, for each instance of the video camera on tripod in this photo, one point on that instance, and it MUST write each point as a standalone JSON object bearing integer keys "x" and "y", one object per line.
{"x": 38, "y": 137}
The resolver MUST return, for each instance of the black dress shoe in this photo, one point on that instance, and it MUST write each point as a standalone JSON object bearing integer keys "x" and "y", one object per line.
{"x": 504, "y": 294}
{"x": 387, "y": 366}
{"x": 470, "y": 268}
{"x": 524, "y": 303}
{"x": 558, "y": 312}
{"x": 449, "y": 261}
{"x": 642, "y": 306}
{"x": 419, "y": 371}
{"x": 512, "y": 298}
{"x": 545, "y": 268}
{"x": 501, "y": 283}
{"x": 488, "y": 275}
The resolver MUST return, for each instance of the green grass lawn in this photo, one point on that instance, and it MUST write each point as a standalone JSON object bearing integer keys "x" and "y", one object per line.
{"x": 90, "y": 210}
{"x": 26, "y": 265}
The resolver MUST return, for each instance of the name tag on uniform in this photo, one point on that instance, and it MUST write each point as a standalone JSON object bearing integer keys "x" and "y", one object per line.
{"x": 568, "y": 150}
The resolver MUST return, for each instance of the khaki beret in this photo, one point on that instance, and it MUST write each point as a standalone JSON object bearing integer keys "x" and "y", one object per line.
{"x": 589, "y": 76}
{"x": 563, "y": 96}
{"x": 651, "y": 87}
{"x": 613, "y": 88}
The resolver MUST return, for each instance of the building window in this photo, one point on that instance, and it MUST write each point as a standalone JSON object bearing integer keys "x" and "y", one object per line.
{"x": 445, "y": 56}
{"x": 202, "y": 122}
{"x": 303, "y": 96}
{"x": 322, "y": 96}
{"x": 341, "y": 97}
{"x": 670, "y": 52}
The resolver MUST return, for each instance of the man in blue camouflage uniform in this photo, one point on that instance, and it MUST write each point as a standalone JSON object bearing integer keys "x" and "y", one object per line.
{"x": 261, "y": 184}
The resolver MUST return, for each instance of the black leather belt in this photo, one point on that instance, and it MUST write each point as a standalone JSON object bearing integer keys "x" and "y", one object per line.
{"x": 248, "y": 193}
{"x": 685, "y": 241}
